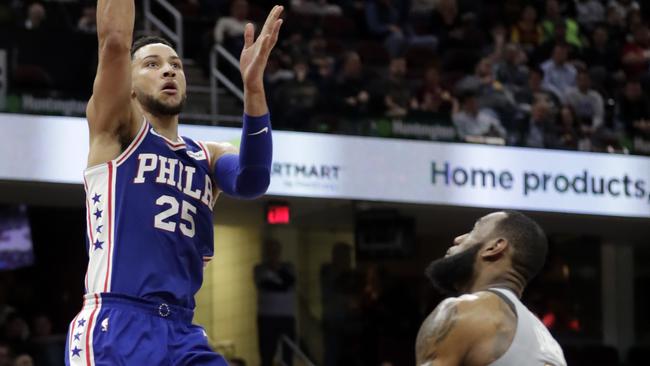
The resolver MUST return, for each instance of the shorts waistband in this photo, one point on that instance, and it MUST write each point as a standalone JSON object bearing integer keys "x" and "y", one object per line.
{"x": 158, "y": 309}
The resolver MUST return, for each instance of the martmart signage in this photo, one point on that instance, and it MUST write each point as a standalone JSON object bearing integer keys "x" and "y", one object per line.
{"x": 54, "y": 149}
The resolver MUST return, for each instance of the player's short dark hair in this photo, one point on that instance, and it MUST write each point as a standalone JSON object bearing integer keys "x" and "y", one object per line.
{"x": 528, "y": 240}
{"x": 146, "y": 40}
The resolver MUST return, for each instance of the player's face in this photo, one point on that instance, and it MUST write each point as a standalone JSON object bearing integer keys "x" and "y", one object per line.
{"x": 481, "y": 232}
{"x": 452, "y": 272}
{"x": 158, "y": 79}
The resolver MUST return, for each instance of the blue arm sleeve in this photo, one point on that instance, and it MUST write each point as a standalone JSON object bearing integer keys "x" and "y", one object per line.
{"x": 248, "y": 174}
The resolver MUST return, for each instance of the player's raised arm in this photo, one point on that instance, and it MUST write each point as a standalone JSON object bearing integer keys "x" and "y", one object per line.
{"x": 248, "y": 174}
{"x": 109, "y": 109}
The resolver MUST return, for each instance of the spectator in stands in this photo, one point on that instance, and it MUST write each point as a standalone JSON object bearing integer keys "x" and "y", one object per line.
{"x": 567, "y": 135}
{"x": 5, "y": 309}
{"x": 276, "y": 296}
{"x": 16, "y": 333}
{"x": 633, "y": 107}
{"x": 527, "y": 32}
{"x": 636, "y": 54}
{"x": 422, "y": 8}
{"x": 472, "y": 121}
{"x": 559, "y": 74}
{"x": 394, "y": 90}
{"x": 352, "y": 87}
{"x": 540, "y": 125}
{"x": 23, "y": 360}
{"x": 315, "y": 7}
{"x": 589, "y": 13}
{"x": 336, "y": 278}
{"x": 296, "y": 100}
{"x": 533, "y": 91}
{"x": 555, "y": 19}
{"x": 35, "y": 16}
{"x": 276, "y": 73}
{"x": 602, "y": 56}
{"x": 587, "y": 135}
{"x": 321, "y": 61}
{"x": 511, "y": 70}
{"x": 88, "y": 21}
{"x": 492, "y": 94}
{"x": 47, "y": 346}
{"x": 5, "y": 354}
{"x": 615, "y": 25}
{"x": 545, "y": 50}
{"x": 432, "y": 98}
{"x": 388, "y": 19}
{"x": 229, "y": 30}
{"x": 623, "y": 7}
{"x": 586, "y": 102}
{"x": 296, "y": 46}
{"x": 572, "y": 133}
{"x": 633, "y": 21}
{"x": 446, "y": 24}
{"x": 41, "y": 327}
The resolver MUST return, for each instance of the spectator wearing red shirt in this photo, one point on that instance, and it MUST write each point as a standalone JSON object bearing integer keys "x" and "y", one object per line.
{"x": 636, "y": 54}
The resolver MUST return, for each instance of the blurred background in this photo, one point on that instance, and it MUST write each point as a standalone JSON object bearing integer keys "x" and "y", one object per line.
{"x": 328, "y": 268}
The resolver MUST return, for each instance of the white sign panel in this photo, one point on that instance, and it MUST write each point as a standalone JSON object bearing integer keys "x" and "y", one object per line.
{"x": 54, "y": 149}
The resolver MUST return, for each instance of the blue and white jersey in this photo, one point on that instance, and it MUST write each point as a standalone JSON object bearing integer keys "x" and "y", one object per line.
{"x": 149, "y": 220}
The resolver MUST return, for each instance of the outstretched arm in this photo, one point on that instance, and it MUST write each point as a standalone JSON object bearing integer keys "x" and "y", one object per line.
{"x": 248, "y": 174}
{"x": 109, "y": 110}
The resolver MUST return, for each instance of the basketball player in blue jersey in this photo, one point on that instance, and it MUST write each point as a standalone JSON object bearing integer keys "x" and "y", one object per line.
{"x": 150, "y": 195}
{"x": 488, "y": 325}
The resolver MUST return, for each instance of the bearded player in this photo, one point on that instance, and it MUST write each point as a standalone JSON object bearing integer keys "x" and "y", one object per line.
{"x": 488, "y": 325}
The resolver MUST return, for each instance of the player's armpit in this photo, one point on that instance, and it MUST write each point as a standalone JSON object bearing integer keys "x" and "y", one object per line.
{"x": 218, "y": 149}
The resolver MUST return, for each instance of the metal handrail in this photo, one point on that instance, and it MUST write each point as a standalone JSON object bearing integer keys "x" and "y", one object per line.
{"x": 177, "y": 35}
{"x": 217, "y": 76}
{"x": 296, "y": 351}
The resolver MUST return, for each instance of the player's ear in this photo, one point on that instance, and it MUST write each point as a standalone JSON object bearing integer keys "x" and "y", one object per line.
{"x": 494, "y": 248}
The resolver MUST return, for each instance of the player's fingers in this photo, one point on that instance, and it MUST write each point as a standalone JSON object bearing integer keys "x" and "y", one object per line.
{"x": 249, "y": 34}
{"x": 276, "y": 31}
{"x": 274, "y": 14}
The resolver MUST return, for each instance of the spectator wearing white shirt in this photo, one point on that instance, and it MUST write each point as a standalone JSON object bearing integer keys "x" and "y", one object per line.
{"x": 471, "y": 121}
{"x": 586, "y": 102}
{"x": 229, "y": 30}
{"x": 559, "y": 75}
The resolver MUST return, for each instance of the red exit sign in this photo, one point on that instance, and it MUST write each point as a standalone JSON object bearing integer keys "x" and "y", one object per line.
{"x": 277, "y": 213}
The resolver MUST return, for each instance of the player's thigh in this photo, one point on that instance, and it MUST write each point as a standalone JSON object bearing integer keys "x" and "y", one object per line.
{"x": 115, "y": 337}
{"x": 190, "y": 348}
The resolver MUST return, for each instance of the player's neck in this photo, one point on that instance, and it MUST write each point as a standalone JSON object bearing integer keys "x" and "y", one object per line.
{"x": 503, "y": 281}
{"x": 166, "y": 126}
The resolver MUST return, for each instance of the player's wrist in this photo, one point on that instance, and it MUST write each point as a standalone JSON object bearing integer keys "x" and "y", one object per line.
{"x": 257, "y": 119}
{"x": 254, "y": 88}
